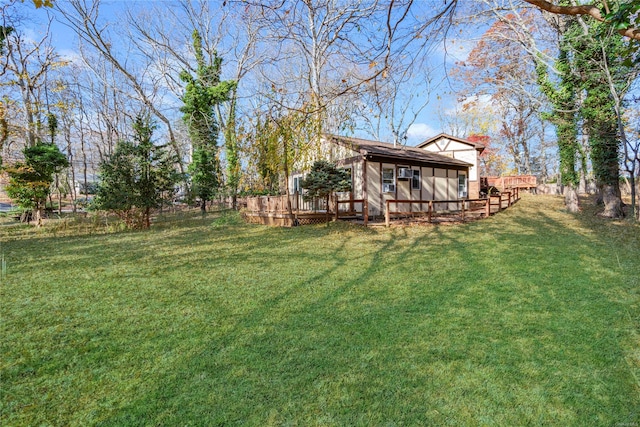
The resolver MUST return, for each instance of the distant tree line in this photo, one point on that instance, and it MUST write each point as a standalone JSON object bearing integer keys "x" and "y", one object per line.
{"x": 221, "y": 100}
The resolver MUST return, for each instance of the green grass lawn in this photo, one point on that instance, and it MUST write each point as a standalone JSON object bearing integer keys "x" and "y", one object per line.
{"x": 530, "y": 317}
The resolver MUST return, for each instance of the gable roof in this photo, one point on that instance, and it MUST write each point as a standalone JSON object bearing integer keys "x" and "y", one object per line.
{"x": 477, "y": 145}
{"x": 381, "y": 151}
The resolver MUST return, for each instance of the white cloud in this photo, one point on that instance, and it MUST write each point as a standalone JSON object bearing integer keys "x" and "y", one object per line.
{"x": 71, "y": 56}
{"x": 421, "y": 131}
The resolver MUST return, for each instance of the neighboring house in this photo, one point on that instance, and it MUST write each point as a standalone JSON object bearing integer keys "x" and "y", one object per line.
{"x": 460, "y": 149}
{"x": 381, "y": 171}
{"x": 90, "y": 187}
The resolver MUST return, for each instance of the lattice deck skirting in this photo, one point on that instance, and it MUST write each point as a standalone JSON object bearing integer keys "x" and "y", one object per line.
{"x": 284, "y": 219}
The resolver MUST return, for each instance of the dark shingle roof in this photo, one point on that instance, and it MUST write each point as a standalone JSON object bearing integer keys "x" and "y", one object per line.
{"x": 370, "y": 148}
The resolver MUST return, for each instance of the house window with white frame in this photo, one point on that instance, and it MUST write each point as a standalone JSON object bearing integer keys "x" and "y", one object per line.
{"x": 415, "y": 179}
{"x": 462, "y": 186}
{"x": 297, "y": 184}
{"x": 388, "y": 180}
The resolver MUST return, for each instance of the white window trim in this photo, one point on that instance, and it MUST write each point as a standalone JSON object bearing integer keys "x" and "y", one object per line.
{"x": 466, "y": 186}
{"x": 388, "y": 181}
{"x": 419, "y": 175}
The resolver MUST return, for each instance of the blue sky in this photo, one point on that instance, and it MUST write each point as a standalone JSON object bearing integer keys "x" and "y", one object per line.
{"x": 441, "y": 99}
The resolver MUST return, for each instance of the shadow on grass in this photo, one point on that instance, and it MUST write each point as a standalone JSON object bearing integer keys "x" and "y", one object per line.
{"x": 337, "y": 357}
{"x": 282, "y": 361}
{"x": 519, "y": 319}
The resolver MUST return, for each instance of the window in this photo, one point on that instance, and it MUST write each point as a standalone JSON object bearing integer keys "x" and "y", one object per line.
{"x": 415, "y": 179}
{"x": 462, "y": 186}
{"x": 296, "y": 184}
{"x": 388, "y": 180}
{"x": 388, "y": 176}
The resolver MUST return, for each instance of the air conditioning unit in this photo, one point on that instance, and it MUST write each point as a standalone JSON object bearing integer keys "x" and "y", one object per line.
{"x": 405, "y": 173}
{"x": 388, "y": 188}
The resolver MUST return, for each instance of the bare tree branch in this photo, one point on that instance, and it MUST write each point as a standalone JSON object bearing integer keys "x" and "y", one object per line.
{"x": 585, "y": 9}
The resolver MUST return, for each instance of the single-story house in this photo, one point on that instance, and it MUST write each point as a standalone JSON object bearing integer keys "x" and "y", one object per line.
{"x": 382, "y": 171}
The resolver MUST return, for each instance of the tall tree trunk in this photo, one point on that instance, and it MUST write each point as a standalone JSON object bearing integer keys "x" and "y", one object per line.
{"x": 285, "y": 146}
{"x": 84, "y": 171}
{"x": 583, "y": 185}
{"x": 147, "y": 217}
{"x": 231, "y": 143}
{"x": 600, "y": 112}
{"x": 59, "y": 195}
{"x": 71, "y": 171}
{"x": 612, "y": 201}
{"x": 37, "y": 215}
{"x": 634, "y": 208}
{"x": 527, "y": 158}
{"x": 571, "y": 200}
{"x": 286, "y": 186}
{"x": 613, "y": 206}
{"x": 327, "y": 209}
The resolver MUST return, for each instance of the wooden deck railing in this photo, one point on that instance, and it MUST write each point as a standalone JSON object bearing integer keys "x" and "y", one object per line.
{"x": 354, "y": 207}
{"x": 278, "y": 204}
{"x": 506, "y": 182}
{"x": 488, "y": 206}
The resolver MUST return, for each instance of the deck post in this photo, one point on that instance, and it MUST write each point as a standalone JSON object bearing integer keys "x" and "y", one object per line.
{"x": 462, "y": 210}
{"x": 351, "y": 206}
{"x": 487, "y": 207}
{"x": 429, "y": 210}
{"x": 365, "y": 193}
{"x": 365, "y": 211}
{"x": 336, "y": 196}
{"x": 387, "y": 217}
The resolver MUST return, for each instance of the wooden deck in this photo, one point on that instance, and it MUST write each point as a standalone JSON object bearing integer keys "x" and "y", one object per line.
{"x": 273, "y": 210}
{"x": 502, "y": 183}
